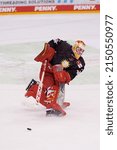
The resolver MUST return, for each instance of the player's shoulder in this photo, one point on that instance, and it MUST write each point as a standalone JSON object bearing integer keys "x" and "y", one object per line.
{"x": 81, "y": 59}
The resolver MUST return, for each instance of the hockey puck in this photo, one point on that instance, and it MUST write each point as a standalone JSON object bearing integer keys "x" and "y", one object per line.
{"x": 29, "y": 129}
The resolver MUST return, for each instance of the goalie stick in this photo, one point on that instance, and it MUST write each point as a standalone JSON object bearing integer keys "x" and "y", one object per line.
{"x": 40, "y": 86}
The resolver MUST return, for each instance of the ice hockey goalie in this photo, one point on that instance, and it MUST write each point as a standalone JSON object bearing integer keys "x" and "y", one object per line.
{"x": 61, "y": 62}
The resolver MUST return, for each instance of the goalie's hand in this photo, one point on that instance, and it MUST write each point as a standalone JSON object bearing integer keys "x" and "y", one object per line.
{"x": 47, "y": 54}
{"x": 61, "y": 75}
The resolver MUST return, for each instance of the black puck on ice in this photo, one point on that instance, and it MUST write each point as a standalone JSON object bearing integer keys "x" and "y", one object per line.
{"x": 29, "y": 129}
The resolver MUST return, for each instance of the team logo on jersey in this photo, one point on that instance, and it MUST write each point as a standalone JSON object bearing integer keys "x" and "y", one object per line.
{"x": 65, "y": 63}
{"x": 79, "y": 64}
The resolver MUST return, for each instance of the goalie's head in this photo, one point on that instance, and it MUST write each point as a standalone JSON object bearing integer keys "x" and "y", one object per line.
{"x": 78, "y": 48}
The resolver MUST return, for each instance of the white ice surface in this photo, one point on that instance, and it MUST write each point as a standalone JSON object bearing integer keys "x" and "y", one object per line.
{"x": 21, "y": 38}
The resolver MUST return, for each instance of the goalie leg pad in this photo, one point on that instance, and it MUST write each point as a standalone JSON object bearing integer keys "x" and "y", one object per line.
{"x": 48, "y": 80}
{"x": 51, "y": 101}
{"x": 65, "y": 104}
{"x": 52, "y": 94}
{"x": 33, "y": 87}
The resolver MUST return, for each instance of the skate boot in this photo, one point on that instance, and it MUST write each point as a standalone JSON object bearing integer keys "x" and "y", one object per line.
{"x": 32, "y": 82}
{"x": 31, "y": 89}
{"x": 52, "y": 112}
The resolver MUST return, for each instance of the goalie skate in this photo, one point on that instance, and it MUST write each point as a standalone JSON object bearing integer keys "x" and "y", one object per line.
{"x": 32, "y": 82}
{"x": 52, "y": 112}
{"x": 31, "y": 89}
